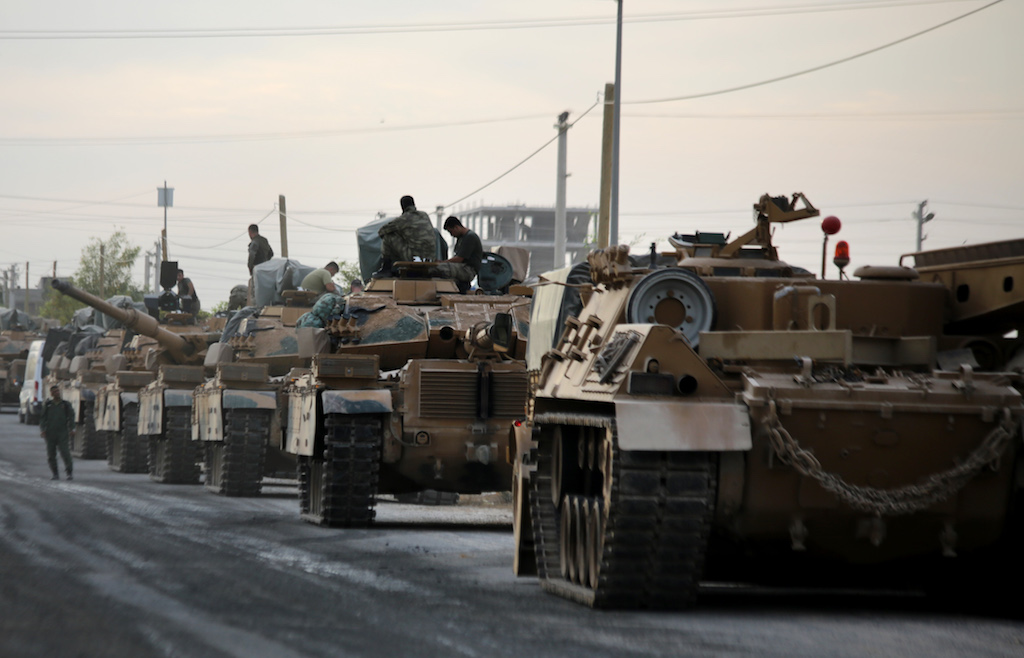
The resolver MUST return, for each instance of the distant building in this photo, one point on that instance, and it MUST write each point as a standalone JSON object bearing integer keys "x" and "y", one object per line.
{"x": 15, "y": 297}
{"x": 533, "y": 227}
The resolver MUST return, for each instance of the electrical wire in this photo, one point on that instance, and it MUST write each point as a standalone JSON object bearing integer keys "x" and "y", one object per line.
{"x": 815, "y": 68}
{"x": 525, "y": 160}
{"x": 466, "y": 26}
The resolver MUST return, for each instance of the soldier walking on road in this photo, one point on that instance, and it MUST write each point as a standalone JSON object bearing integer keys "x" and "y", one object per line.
{"x": 408, "y": 236}
{"x": 57, "y": 426}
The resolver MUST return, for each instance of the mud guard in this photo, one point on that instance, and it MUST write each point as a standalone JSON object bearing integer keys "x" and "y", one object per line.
{"x": 714, "y": 426}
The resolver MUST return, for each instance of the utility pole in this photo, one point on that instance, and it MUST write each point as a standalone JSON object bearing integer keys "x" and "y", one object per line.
{"x": 26, "y": 288}
{"x": 440, "y": 217}
{"x": 282, "y": 213}
{"x": 103, "y": 283}
{"x": 165, "y": 198}
{"x": 604, "y": 207}
{"x": 156, "y": 266}
{"x": 921, "y": 217}
{"x": 145, "y": 269}
{"x": 613, "y": 220}
{"x": 559, "y": 257}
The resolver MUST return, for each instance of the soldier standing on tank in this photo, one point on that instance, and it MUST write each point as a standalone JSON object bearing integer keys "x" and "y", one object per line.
{"x": 406, "y": 237}
{"x": 259, "y": 252}
{"x": 259, "y": 248}
{"x": 57, "y": 426}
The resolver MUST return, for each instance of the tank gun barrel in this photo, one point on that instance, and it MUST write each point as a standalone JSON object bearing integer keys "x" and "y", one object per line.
{"x": 139, "y": 322}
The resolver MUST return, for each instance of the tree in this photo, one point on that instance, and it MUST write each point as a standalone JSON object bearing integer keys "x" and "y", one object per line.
{"x": 346, "y": 272}
{"x": 106, "y": 267}
{"x": 105, "y": 270}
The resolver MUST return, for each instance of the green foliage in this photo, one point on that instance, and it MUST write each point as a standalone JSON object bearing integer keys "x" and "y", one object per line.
{"x": 217, "y": 308}
{"x": 105, "y": 268}
{"x": 346, "y": 272}
{"x": 59, "y": 306}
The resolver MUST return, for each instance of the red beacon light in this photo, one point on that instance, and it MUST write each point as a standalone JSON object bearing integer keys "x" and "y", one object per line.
{"x": 842, "y": 257}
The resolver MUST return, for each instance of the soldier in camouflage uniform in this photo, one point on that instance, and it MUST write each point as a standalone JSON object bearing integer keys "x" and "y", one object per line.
{"x": 57, "y": 426}
{"x": 407, "y": 236}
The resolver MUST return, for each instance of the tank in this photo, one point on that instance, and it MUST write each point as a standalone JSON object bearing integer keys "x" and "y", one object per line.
{"x": 732, "y": 418}
{"x": 411, "y": 389}
{"x": 238, "y": 414}
{"x": 142, "y": 406}
{"x": 14, "y": 344}
{"x": 78, "y": 369}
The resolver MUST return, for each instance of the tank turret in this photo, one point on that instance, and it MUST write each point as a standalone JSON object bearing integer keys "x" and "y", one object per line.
{"x": 180, "y": 348}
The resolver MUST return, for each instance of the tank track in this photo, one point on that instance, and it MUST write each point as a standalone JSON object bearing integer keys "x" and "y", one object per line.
{"x": 340, "y": 490}
{"x": 88, "y": 443}
{"x": 234, "y": 466}
{"x": 630, "y": 529}
{"x": 126, "y": 451}
{"x": 174, "y": 457}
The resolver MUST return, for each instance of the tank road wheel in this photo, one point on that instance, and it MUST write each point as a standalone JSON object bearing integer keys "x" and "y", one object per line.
{"x": 174, "y": 457}
{"x": 341, "y": 488}
{"x": 88, "y": 443}
{"x": 630, "y": 529}
{"x": 126, "y": 452}
{"x": 234, "y": 466}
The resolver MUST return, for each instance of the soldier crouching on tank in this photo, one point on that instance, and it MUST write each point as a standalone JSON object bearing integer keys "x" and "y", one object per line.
{"x": 469, "y": 252}
{"x": 406, "y": 237}
{"x": 322, "y": 280}
{"x": 57, "y": 426}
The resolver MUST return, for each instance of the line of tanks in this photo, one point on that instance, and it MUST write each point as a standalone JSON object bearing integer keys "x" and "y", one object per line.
{"x": 712, "y": 414}
{"x": 402, "y": 389}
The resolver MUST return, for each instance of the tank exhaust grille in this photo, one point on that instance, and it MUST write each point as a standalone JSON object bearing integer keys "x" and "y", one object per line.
{"x": 448, "y": 394}
{"x": 509, "y": 390}
{"x": 455, "y": 394}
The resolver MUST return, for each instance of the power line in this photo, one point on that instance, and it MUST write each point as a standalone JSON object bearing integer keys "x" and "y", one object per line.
{"x": 815, "y": 68}
{"x": 523, "y": 161}
{"x": 466, "y": 26}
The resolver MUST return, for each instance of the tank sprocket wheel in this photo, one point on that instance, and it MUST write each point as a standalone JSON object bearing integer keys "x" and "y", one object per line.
{"x": 234, "y": 466}
{"x": 89, "y": 443}
{"x": 127, "y": 452}
{"x": 174, "y": 457}
{"x": 340, "y": 490}
{"x": 632, "y": 532}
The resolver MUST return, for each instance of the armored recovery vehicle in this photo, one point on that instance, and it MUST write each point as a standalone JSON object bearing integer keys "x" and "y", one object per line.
{"x": 409, "y": 391}
{"x": 734, "y": 419}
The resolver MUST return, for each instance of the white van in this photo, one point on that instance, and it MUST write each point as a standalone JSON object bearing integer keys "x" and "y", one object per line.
{"x": 32, "y": 395}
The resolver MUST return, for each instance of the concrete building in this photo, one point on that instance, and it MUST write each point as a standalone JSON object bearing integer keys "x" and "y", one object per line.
{"x": 533, "y": 227}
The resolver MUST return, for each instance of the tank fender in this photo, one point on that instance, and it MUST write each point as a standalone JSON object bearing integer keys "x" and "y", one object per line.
{"x": 377, "y": 401}
{"x": 178, "y": 397}
{"x": 674, "y": 426}
{"x": 248, "y": 399}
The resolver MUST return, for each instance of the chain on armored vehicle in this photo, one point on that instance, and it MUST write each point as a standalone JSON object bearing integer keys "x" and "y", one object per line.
{"x": 733, "y": 418}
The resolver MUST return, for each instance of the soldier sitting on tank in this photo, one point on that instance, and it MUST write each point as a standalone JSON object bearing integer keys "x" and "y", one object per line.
{"x": 321, "y": 281}
{"x": 408, "y": 237}
{"x": 187, "y": 295}
{"x": 469, "y": 252}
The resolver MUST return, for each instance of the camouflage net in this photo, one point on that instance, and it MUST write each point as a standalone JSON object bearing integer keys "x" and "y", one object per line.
{"x": 327, "y": 308}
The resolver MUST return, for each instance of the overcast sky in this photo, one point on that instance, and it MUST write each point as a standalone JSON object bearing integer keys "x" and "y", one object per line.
{"x": 350, "y": 105}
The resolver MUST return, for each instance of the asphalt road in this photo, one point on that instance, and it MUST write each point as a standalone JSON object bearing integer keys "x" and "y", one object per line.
{"x": 118, "y": 565}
